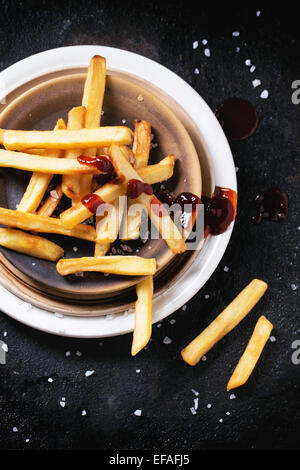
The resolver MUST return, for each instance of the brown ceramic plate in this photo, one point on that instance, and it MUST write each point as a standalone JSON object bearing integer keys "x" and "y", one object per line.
{"x": 38, "y": 105}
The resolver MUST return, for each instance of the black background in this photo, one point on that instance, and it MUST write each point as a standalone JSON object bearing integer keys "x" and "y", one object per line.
{"x": 266, "y": 412}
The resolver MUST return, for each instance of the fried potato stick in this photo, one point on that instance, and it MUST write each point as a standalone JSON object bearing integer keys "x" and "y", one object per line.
{"x": 124, "y": 265}
{"x": 142, "y": 315}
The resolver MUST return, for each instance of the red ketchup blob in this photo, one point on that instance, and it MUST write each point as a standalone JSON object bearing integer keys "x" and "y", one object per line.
{"x": 102, "y": 163}
{"x": 92, "y": 202}
{"x": 136, "y": 187}
{"x": 238, "y": 118}
{"x": 271, "y": 205}
{"x": 188, "y": 201}
{"x": 220, "y": 211}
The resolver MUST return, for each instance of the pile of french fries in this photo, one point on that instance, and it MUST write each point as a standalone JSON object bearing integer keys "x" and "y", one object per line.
{"x": 56, "y": 152}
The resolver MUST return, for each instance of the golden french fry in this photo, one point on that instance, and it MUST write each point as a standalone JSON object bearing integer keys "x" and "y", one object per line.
{"x": 42, "y": 164}
{"x": 142, "y": 315}
{"x": 125, "y": 265}
{"x": 29, "y": 244}
{"x": 141, "y": 143}
{"x": 39, "y": 223}
{"x": 78, "y": 213}
{"x": 159, "y": 172}
{"x": 71, "y": 183}
{"x": 39, "y": 182}
{"x": 225, "y": 322}
{"x": 51, "y": 203}
{"x": 66, "y": 139}
{"x": 107, "y": 227}
{"x": 251, "y": 354}
{"x": 162, "y": 220}
{"x": 93, "y": 95}
{"x": 132, "y": 221}
{"x": 101, "y": 249}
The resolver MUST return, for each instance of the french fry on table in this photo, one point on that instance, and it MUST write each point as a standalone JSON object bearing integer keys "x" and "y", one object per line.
{"x": 125, "y": 265}
{"x": 78, "y": 213}
{"x": 251, "y": 354}
{"x": 225, "y": 322}
{"x": 51, "y": 203}
{"x": 71, "y": 183}
{"x": 38, "y": 223}
{"x": 42, "y": 164}
{"x": 142, "y": 315}
{"x": 29, "y": 244}
{"x": 92, "y": 99}
{"x": 65, "y": 139}
{"x": 39, "y": 182}
{"x": 141, "y": 143}
{"x": 162, "y": 221}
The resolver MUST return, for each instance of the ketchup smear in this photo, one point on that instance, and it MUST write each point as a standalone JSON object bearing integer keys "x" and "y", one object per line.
{"x": 92, "y": 202}
{"x": 102, "y": 163}
{"x": 238, "y": 118}
{"x": 271, "y": 205}
{"x": 136, "y": 187}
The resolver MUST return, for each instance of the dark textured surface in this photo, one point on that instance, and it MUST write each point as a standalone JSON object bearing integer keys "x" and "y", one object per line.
{"x": 266, "y": 412}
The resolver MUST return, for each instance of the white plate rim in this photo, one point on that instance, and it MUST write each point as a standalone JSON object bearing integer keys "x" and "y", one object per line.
{"x": 211, "y": 254}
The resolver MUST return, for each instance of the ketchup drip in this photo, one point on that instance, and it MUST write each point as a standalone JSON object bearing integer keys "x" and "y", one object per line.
{"x": 220, "y": 211}
{"x": 136, "y": 187}
{"x": 238, "y": 118}
{"x": 271, "y": 205}
{"x": 92, "y": 202}
{"x": 102, "y": 163}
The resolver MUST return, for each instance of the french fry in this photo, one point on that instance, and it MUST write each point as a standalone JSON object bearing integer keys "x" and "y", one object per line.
{"x": 124, "y": 265}
{"x": 142, "y": 315}
{"x": 141, "y": 143}
{"x": 71, "y": 183}
{"x": 51, "y": 203}
{"x": 78, "y": 213}
{"x": 159, "y": 172}
{"x": 66, "y": 139}
{"x": 29, "y": 244}
{"x": 251, "y": 354}
{"x": 132, "y": 221}
{"x": 101, "y": 249}
{"x": 225, "y": 322}
{"x": 39, "y": 182}
{"x": 107, "y": 227}
{"x": 93, "y": 95}
{"x": 38, "y": 223}
{"x": 162, "y": 222}
{"x": 37, "y": 163}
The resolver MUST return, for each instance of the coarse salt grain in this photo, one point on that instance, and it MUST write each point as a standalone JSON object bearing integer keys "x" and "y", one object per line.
{"x": 258, "y": 13}
{"x": 173, "y": 321}
{"x": 203, "y": 358}
{"x": 235, "y": 34}
{"x": 195, "y": 44}
{"x": 207, "y": 52}
{"x": 232, "y": 396}
{"x": 83, "y": 413}
{"x": 226, "y": 269}
{"x": 184, "y": 308}
{"x": 53, "y": 194}
{"x": 208, "y": 405}
{"x": 227, "y": 412}
{"x": 5, "y": 347}
{"x": 193, "y": 411}
{"x": 237, "y": 49}
{"x": 207, "y": 296}
{"x": 248, "y": 62}
{"x": 68, "y": 353}
{"x": 220, "y": 420}
{"x": 167, "y": 340}
{"x": 195, "y": 392}
{"x": 196, "y": 402}
{"x": 236, "y": 169}
{"x": 138, "y": 413}
{"x": 252, "y": 68}
{"x": 4, "y": 333}
{"x": 264, "y": 94}
{"x": 256, "y": 83}
{"x": 294, "y": 287}
{"x": 50, "y": 380}
{"x": 62, "y": 404}
{"x": 88, "y": 373}
{"x": 138, "y": 371}
{"x": 196, "y": 71}
{"x": 78, "y": 353}
{"x": 75, "y": 249}
{"x": 272, "y": 339}
{"x": 158, "y": 325}
{"x": 27, "y": 440}
{"x": 14, "y": 429}
{"x": 140, "y": 98}
{"x": 204, "y": 42}
{"x": 123, "y": 121}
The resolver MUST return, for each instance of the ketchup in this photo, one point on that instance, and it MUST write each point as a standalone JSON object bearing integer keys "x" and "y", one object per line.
{"x": 136, "y": 187}
{"x": 271, "y": 205}
{"x": 238, "y": 118}
{"x": 92, "y": 202}
{"x": 220, "y": 211}
{"x": 102, "y": 163}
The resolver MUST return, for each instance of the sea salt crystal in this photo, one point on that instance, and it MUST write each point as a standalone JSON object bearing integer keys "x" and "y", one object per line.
{"x": 138, "y": 371}
{"x": 237, "y": 49}
{"x": 204, "y": 42}
{"x": 232, "y": 396}
{"x": 227, "y": 412}
{"x": 102, "y": 112}
{"x": 138, "y": 413}
{"x": 196, "y": 71}
{"x": 195, "y": 44}
{"x": 4, "y": 333}
{"x": 78, "y": 353}
{"x": 195, "y": 392}
{"x": 272, "y": 339}
{"x": 173, "y": 321}
{"x": 207, "y": 296}
{"x": 50, "y": 380}
{"x": 63, "y": 398}
{"x": 294, "y": 287}
{"x": 258, "y": 13}
{"x": 196, "y": 402}
{"x": 235, "y": 34}
{"x": 193, "y": 411}
{"x": 54, "y": 194}
{"x": 68, "y": 353}
{"x": 83, "y": 413}
{"x": 88, "y": 373}
{"x": 220, "y": 420}
{"x": 248, "y": 62}
{"x": 27, "y": 440}
{"x": 207, "y": 52}
{"x": 167, "y": 340}
{"x": 158, "y": 325}
{"x": 208, "y": 405}
{"x": 14, "y": 429}
{"x": 184, "y": 308}
{"x": 226, "y": 269}
{"x": 252, "y": 68}
{"x": 75, "y": 249}
{"x": 62, "y": 404}
{"x": 264, "y": 94}
{"x": 203, "y": 358}
{"x": 5, "y": 347}
{"x": 123, "y": 121}
{"x": 256, "y": 83}
{"x": 236, "y": 169}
